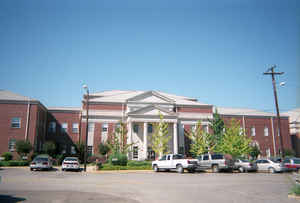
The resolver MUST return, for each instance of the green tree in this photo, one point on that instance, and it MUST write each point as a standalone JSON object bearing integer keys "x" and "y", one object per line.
{"x": 80, "y": 151}
{"x": 234, "y": 141}
{"x": 49, "y": 148}
{"x": 254, "y": 151}
{"x": 217, "y": 125}
{"x": 200, "y": 140}
{"x": 103, "y": 149}
{"x": 118, "y": 141}
{"x": 23, "y": 147}
{"x": 160, "y": 138}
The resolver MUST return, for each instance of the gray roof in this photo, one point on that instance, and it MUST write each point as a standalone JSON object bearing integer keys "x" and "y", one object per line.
{"x": 10, "y": 96}
{"x": 64, "y": 108}
{"x": 122, "y": 96}
{"x": 244, "y": 111}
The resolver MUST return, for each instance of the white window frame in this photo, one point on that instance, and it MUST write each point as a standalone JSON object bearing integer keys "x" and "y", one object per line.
{"x": 104, "y": 128}
{"x": 266, "y": 131}
{"x": 12, "y": 144}
{"x": 15, "y": 122}
{"x": 253, "y": 133}
{"x": 64, "y": 127}
{"x": 75, "y": 127}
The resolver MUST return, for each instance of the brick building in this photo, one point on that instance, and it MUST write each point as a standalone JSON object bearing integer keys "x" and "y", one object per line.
{"x": 139, "y": 110}
{"x": 21, "y": 118}
{"x": 294, "y": 116}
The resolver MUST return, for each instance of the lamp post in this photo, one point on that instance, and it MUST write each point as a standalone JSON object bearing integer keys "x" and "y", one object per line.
{"x": 87, "y": 123}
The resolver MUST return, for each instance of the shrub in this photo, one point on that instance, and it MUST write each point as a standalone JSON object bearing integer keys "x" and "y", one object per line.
{"x": 7, "y": 156}
{"x": 289, "y": 152}
{"x": 118, "y": 159}
{"x": 23, "y": 147}
{"x": 132, "y": 163}
{"x": 14, "y": 163}
{"x": 103, "y": 148}
{"x": 49, "y": 148}
{"x": 107, "y": 167}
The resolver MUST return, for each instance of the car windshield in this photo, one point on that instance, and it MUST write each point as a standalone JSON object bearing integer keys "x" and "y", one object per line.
{"x": 296, "y": 161}
{"x": 275, "y": 160}
{"x": 40, "y": 159}
{"x": 244, "y": 160}
{"x": 71, "y": 159}
{"x": 178, "y": 156}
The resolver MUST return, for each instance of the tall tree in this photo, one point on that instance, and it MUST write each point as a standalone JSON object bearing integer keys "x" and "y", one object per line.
{"x": 118, "y": 141}
{"x": 200, "y": 140}
{"x": 217, "y": 125}
{"x": 234, "y": 141}
{"x": 160, "y": 138}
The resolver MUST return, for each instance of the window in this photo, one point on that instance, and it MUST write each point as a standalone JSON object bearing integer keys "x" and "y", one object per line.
{"x": 163, "y": 158}
{"x": 135, "y": 152}
{"x": 16, "y": 122}
{"x": 216, "y": 156}
{"x": 193, "y": 128}
{"x": 104, "y": 127}
{"x": 205, "y": 128}
{"x": 136, "y": 128}
{"x": 12, "y": 145}
{"x": 205, "y": 157}
{"x": 75, "y": 127}
{"x": 91, "y": 127}
{"x": 90, "y": 150}
{"x": 253, "y": 131}
{"x": 150, "y": 128}
{"x": 178, "y": 156}
{"x": 64, "y": 128}
{"x": 118, "y": 125}
{"x": 73, "y": 150}
{"x": 52, "y": 127}
{"x": 266, "y": 131}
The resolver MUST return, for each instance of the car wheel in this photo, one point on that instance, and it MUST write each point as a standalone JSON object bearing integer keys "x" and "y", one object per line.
{"x": 155, "y": 168}
{"x": 271, "y": 170}
{"x": 31, "y": 169}
{"x": 63, "y": 169}
{"x": 215, "y": 168}
{"x": 191, "y": 170}
{"x": 241, "y": 169}
{"x": 179, "y": 168}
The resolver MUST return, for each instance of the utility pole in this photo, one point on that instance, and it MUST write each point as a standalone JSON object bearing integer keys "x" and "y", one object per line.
{"x": 87, "y": 126}
{"x": 271, "y": 72}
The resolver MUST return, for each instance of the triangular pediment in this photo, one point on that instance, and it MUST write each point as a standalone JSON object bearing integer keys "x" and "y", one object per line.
{"x": 150, "y": 97}
{"x": 152, "y": 110}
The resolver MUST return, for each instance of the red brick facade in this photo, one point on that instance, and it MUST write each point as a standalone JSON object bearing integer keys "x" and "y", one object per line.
{"x": 36, "y": 124}
{"x": 207, "y": 109}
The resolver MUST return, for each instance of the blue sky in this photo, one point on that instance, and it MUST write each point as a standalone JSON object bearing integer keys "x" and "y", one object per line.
{"x": 215, "y": 51}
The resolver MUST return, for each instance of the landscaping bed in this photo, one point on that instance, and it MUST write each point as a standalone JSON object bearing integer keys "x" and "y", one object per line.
{"x": 131, "y": 165}
{"x": 14, "y": 163}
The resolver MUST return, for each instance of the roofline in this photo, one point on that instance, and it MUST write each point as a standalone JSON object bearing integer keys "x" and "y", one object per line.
{"x": 253, "y": 116}
{"x": 23, "y": 102}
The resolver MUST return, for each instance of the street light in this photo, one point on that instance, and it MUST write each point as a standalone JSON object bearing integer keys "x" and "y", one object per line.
{"x": 87, "y": 123}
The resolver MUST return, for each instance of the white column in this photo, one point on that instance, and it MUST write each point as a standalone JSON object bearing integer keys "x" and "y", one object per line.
{"x": 129, "y": 139}
{"x": 145, "y": 145}
{"x": 175, "y": 139}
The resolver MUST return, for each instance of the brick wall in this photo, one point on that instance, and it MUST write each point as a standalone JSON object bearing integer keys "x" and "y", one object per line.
{"x": 206, "y": 109}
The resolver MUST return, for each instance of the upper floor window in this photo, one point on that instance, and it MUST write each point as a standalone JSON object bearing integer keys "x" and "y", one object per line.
{"x": 253, "y": 131}
{"x": 16, "y": 122}
{"x": 91, "y": 127}
{"x": 12, "y": 145}
{"x": 104, "y": 127}
{"x": 266, "y": 131}
{"x": 52, "y": 127}
{"x": 150, "y": 128}
{"x": 75, "y": 127}
{"x": 64, "y": 128}
{"x": 136, "y": 128}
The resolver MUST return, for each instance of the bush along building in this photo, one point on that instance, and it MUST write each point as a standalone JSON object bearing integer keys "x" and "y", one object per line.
{"x": 140, "y": 111}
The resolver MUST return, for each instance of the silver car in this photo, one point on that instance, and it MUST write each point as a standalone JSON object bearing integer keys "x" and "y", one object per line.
{"x": 270, "y": 165}
{"x": 243, "y": 165}
{"x": 41, "y": 163}
{"x": 70, "y": 163}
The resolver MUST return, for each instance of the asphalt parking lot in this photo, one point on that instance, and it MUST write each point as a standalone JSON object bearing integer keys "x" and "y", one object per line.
{"x": 23, "y": 185}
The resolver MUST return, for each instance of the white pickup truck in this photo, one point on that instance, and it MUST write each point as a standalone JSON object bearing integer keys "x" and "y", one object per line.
{"x": 175, "y": 162}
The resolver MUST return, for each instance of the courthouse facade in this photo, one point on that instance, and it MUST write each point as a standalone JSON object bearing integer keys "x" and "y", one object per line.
{"x": 140, "y": 111}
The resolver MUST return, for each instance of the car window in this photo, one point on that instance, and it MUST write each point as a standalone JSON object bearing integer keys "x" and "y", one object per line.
{"x": 205, "y": 157}
{"x": 275, "y": 160}
{"x": 40, "y": 159}
{"x": 168, "y": 157}
{"x": 296, "y": 161}
{"x": 286, "y": 161}
{"x": 71, "y": 159}
{"x": 217, "y": 156}
{"x": 264, "y": 161}
{"x": 178, "y": 156}
{"x": 163, "y": 158}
